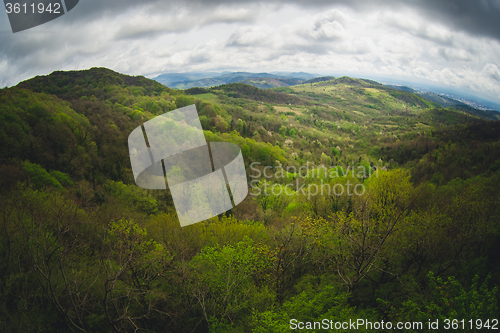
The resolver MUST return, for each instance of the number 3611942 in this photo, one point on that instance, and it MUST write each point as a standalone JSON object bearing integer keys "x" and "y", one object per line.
{"x": 40, "y": 8}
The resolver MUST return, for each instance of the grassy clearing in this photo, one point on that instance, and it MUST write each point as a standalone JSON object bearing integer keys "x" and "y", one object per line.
{"x": 208, "y": 97}
{"x": 286, "y": 109}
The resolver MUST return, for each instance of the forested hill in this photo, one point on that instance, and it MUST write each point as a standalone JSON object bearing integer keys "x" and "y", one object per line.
{"x": 78, "y": 122}
{"x": 82, "y": 248}
{"x": 365, "y": 120}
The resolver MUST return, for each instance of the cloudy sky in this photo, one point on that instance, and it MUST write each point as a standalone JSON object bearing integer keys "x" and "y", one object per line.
{"x": 443, "y": 42}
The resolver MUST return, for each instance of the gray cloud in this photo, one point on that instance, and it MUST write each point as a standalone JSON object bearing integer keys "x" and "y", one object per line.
{"x": 478, "y": 17}
{"x": 324, "y": 29}
{"x": 452, "y": 42}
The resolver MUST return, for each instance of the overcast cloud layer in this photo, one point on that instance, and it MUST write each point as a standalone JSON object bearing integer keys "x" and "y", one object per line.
{"x": 454, "y": 42}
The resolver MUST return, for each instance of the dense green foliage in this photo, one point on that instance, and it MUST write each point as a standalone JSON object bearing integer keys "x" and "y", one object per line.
{"x": 84, "y": 249}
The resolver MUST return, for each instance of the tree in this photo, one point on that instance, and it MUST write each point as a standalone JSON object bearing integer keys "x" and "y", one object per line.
{"x": 326, "y": 160}
{"x": 224, "y": 279}
{"x": 132, "y": 267}
{"x": 362, "y": 242}
{"x": 39, "y": 176}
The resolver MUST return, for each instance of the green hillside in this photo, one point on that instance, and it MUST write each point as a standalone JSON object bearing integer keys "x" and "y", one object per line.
{"x": 266, "y": 83}
{"x": 412, "y": 236}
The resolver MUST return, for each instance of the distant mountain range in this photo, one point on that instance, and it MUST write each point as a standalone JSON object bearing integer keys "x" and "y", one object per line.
{"x": 210, "y": 79}
{"x": 464, "y": 103}
{"x": 286, "y": 79}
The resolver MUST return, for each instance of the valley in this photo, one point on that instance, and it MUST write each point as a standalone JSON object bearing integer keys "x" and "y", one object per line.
{"x": 413, "y": 235}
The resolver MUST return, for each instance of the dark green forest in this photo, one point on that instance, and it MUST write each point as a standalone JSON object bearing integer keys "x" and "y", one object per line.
{"x": 83, "y": 249}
